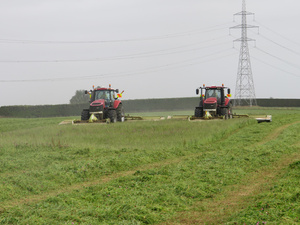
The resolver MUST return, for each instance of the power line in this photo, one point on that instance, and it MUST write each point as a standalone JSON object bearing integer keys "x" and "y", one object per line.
{"x": 122, "y": 57}
{"x": 179, "y": 64}
{"x": 278, "y": 58}
{"x": 167, "y": 36}
{"x": 275, "y": 67}
{"x": 280, "y": 45}
{"x": 278, "y": 34}
{"x": 187, "y": 62}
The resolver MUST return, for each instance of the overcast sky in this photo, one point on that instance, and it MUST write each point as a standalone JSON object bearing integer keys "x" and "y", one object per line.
{"x": 149, "y": 48}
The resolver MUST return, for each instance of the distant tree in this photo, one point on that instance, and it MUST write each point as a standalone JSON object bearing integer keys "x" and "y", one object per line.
{"x": 79, "y": 97}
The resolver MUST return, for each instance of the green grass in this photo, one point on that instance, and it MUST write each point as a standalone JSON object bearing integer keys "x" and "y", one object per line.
{"x": 279, "y": 205}
{"x": 11, "y": 124}
{"x": 265, "y": 110}
{"x": 52, "y": 156}
{"x": 152, "y": 170}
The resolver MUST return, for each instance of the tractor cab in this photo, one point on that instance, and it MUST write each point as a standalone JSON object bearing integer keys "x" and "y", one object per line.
{"x": 107, "y": 96}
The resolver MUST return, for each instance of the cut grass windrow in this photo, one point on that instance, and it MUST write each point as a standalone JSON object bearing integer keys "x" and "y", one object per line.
{"x": 36, "y": 198}
{"x": 104, "y": 179}
{"x": 47, "y": 167}
{"x": 207, "y": 179}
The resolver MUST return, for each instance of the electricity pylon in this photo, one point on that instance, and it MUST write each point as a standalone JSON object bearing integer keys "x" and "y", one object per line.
{"x": 244, "y": 88}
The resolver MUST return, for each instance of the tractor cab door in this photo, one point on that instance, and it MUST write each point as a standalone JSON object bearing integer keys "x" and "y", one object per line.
{"x": 92, "y": 96}
{"x": 111, "y": 98}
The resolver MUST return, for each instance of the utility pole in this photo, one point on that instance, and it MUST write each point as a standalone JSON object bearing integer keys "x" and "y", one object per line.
{"x": 244, "y": 88}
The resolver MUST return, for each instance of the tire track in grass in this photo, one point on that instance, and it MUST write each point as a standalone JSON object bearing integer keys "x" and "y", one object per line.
{"x": 276, "y": 133}
{"x": 40, "y": 197}
{"x": 218, "y": 209}
{"x": 297, "y": 144}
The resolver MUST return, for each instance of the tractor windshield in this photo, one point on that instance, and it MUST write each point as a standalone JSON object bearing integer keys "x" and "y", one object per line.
{"x": 104, "y": 94}
{"x": 107, "y": 95}
{"x": 213, "y": 93}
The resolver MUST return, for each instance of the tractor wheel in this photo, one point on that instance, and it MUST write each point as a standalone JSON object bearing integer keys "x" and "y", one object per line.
{"x": 112, "y": 115}
{"x": 120, "y": 113}
{"x": 85, "y": 114}
{"x": 198, "y": 112}
{"x": 230, "y": 113}
{"x": 226, "y": 113}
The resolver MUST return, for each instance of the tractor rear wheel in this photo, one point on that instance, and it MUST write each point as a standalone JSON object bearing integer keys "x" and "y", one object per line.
{"x": 230, "y": 114}
{"x": 120, "y": 113}
{"x": 198, "y": 112}
{"x": 112, "y": 115}
{"x": 85, "y": 114}
{"x": 226, "y": 113}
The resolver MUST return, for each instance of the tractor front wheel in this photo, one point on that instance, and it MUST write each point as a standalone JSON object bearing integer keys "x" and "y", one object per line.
{"x": 85, "y": 114}
{"x": 112, "y": 115}
{"x": 198, "y": 112}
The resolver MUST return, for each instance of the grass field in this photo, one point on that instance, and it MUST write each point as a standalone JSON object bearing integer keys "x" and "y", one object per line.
{"x": 155, "y": 172}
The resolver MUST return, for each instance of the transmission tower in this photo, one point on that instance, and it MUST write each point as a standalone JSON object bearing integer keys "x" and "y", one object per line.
{"x": 244, "y": 88}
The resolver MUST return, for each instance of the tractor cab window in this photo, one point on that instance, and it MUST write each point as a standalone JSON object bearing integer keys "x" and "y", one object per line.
{"x": 102, "y": 95}
{"x": 107, "y": 95}
{"x": 213, "y": 93}
{"x": 112, "y": 95}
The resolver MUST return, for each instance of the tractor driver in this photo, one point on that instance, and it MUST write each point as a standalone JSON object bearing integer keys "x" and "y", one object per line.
{"x": 102, "y": 95}
{"x": 106, "y": 97}
{"x": 213, "y": 93}
{"x": 217, "y": 94}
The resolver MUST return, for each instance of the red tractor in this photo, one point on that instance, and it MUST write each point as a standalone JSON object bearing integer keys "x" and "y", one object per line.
{"x": 213, "y": 102}
{"x": 104, "y": 104}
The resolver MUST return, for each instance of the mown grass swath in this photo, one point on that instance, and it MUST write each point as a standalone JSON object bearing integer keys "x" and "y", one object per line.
{"x": 142, "y": 172}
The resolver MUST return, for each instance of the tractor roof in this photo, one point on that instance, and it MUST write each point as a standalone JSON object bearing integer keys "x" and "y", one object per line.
{"x": 103, "y": 89}
{"x": 214, "y": 87}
